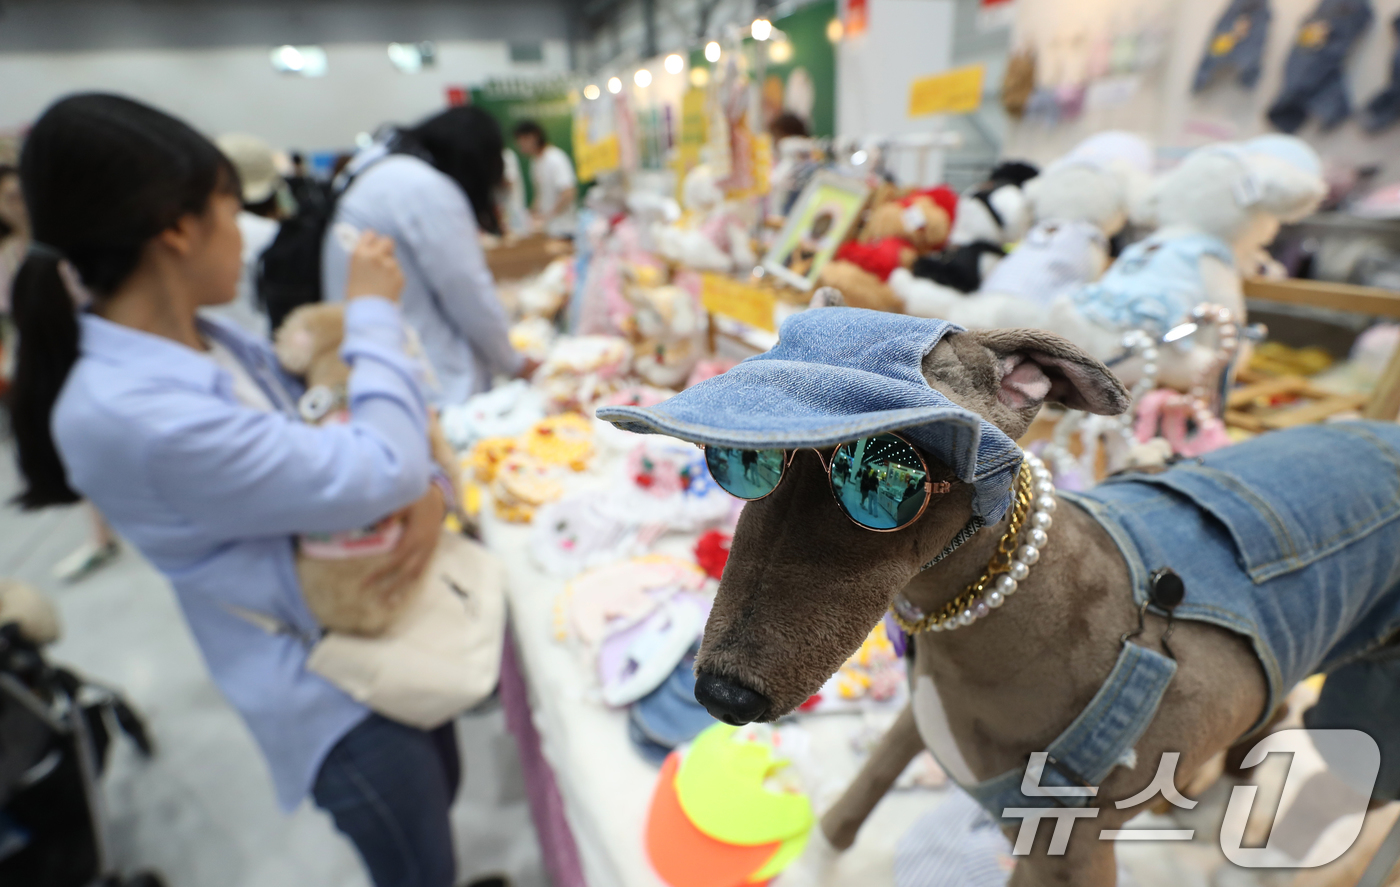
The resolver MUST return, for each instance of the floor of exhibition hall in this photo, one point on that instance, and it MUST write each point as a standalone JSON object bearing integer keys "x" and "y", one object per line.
{"x": 202, "y": 811}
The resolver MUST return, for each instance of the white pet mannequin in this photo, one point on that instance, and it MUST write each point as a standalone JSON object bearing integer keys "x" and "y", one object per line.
{"x": 1215, "y": 211}
{"x": 1078, "y": 203}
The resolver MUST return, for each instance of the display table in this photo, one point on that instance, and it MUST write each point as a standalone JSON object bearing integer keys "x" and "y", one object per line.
{"x": 603, "y": 786}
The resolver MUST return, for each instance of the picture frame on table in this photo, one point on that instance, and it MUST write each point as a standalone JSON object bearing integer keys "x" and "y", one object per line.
{"x": 819, "y": 222}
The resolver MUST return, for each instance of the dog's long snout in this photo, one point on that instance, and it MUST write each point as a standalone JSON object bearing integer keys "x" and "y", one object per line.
{"x": 729, "y": 702}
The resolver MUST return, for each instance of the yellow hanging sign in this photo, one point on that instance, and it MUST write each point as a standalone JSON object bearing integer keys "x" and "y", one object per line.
{"x": 958, "y": 91}
{"x": 737, "y": 300}
{"x": 591, "y": 159}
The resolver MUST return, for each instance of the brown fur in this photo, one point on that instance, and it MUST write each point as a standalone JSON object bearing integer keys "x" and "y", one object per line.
{"x": 887, "y": 220}
{"x": 336, "y": 591}
{"x": 804, "y": 585}
{"x": 860, "y": 288}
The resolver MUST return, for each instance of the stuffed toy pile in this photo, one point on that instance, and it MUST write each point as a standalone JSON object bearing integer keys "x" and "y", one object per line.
{"x": 334, "y": 568}
{"x": 896, "y": 233}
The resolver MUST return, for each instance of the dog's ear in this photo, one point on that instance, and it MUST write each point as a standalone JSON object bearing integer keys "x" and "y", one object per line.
{"x": 1008, "y": 375}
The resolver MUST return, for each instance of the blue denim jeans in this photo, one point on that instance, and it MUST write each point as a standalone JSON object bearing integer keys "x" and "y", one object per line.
{"x": 388, "y": 787}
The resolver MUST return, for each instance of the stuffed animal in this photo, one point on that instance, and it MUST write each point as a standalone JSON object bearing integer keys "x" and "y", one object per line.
{"x": 1215, "y": 212}
{"x": 991, "y": 215}
{"x": 666, "y": 333}
{"x": 1078, "y": 203}
{"x": 714, "y": 237}
{"x": 333, "y": 568}
{"x": 895, "y": 233}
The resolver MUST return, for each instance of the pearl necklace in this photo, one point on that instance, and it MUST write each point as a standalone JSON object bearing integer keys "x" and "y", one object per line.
{"x": 1010, "y": 565}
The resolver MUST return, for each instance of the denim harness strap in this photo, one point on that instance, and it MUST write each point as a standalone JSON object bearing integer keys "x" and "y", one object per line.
{"x": 1101, "y": 738}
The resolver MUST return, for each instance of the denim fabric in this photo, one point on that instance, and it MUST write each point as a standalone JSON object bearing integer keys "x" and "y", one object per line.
{"x": 1291, "y": 539}
{"x": 389, "y": 787}
{"x": 1383, "y": 110}
{"x": 1153, "y": 284}
{"x": 1313, "y": 81}
{"x": 837, "y": 374}
{"x": 1098, "y": 740}
{"x": 1236, "y": 44}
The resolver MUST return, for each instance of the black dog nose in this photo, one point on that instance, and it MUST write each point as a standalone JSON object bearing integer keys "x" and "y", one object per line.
{"x": 728, "y": 701}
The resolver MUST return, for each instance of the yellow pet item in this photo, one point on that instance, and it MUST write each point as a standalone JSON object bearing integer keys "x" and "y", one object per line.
{"x": 721, "y": 786}
{"x": 486, "y": 457}
{"x": 566, "y": 439}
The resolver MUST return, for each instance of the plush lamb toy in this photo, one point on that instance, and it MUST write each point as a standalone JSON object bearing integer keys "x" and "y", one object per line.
{"x": 1079, "y": 202}
{"x": 895, "y": 234}
{"x": 333, "y": 568}
{"x": 1216, "y": 211}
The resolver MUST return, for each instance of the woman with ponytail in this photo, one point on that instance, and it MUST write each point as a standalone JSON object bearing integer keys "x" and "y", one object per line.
{"x": 183, "y": 432}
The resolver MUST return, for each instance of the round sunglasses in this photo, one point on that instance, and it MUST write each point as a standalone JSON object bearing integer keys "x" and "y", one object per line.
{"x": 880, "y": 482}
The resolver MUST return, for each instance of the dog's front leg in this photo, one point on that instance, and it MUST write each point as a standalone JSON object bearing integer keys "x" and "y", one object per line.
{"x": 897, "y": 748}
{"x": 1086, "y": 862}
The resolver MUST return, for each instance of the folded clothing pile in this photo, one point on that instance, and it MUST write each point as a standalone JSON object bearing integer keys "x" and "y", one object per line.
{"x": 728, "y": 811}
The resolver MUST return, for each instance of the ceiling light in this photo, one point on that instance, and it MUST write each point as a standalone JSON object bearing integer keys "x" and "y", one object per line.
{"x": 699, "y": 77}
{"x": 780, "y": 51}
{"x": 614, "y": 85}
{"x": 762, "y": 29}
{"x": 674, "y": 63}
{"x": 859, "y": 158}
{"x": 591, "y": 91}
{"x": 835, "y": 30}
{"x": 712, "y": 52}
{"x": 410, "y": 58}
{"x": 642, "y": 78}
{"x": 308, "y": 61}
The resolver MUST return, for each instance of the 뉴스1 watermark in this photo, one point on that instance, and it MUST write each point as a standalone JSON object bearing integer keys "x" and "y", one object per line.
{"x": 1353, "y": 758}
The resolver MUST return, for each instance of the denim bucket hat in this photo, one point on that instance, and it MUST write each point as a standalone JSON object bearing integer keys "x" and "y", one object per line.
{"x": 837, "y": 374}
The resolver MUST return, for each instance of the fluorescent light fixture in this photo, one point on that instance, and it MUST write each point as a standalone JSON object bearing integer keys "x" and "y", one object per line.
{"x": 674, "y": 63}
{"x": 614, "y": 85}
{"x": 308, "y": 61}
{"x": 591, "y": 91}
{"x": 712, "y": 52}
{"x": 762, "y": 29}
{"x": 642, "y": 78}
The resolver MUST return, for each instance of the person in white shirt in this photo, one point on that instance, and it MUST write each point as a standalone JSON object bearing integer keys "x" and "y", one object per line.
{"x": 258, "y": 222}
{"x": 510, "y": 196}
{"x": 552, "y": 173}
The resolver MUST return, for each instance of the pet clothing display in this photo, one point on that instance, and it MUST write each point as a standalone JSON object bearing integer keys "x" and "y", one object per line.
{"x": 1154, "y": 283}
{"x": 1314, "y": 83}
{"x": 1383, "y": 110}
{"x": 1236, "y": 45}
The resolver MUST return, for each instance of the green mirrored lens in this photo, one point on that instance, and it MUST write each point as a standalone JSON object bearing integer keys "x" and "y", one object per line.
{"x": 879, "y": 481}
{"x": 747, "y": 474}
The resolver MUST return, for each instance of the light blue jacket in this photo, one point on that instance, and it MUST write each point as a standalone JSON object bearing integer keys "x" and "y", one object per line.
{"x": 449, "y": 296}
{"x": 212, "y": 492}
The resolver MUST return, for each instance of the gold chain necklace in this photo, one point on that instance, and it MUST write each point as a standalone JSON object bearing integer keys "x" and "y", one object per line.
{"x": 1009, "y": 564}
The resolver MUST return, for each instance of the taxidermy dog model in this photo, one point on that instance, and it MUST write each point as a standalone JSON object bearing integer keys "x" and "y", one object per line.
{"x": 334, "y": 569}
{"x": 1039, "y": 629}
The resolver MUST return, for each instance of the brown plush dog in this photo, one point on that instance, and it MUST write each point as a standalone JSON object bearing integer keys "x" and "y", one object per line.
{"x": 804, "y": 585}
{"x": 335, "y": 587}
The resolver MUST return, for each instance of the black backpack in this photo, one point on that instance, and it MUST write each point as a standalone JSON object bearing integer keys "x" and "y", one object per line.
{"x": 289, "y": 271}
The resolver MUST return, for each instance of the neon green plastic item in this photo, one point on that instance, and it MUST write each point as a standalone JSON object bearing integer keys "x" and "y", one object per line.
{"x": 783, "y": 857}
{"x": 720, "y": 786}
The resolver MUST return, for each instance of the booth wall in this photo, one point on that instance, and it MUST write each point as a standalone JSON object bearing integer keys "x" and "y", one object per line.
{"x": 219, "y": 89}
{"x": 1163, "y": 107}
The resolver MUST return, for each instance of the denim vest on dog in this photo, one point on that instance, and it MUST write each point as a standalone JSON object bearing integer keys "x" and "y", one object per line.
{"x": 1291, "y": 540}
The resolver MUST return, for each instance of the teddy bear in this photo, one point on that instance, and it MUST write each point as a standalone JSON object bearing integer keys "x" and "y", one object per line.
{"x": 1215, "y": 212}
{"x": 333, "y": 568}
{"x": 895, "y": 233}
{"x": 1078, "y": 203}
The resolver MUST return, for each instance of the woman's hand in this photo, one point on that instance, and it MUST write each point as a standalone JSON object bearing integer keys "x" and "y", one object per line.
{"x": 422, "y": 525}
{"x": 373, "y": 269}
